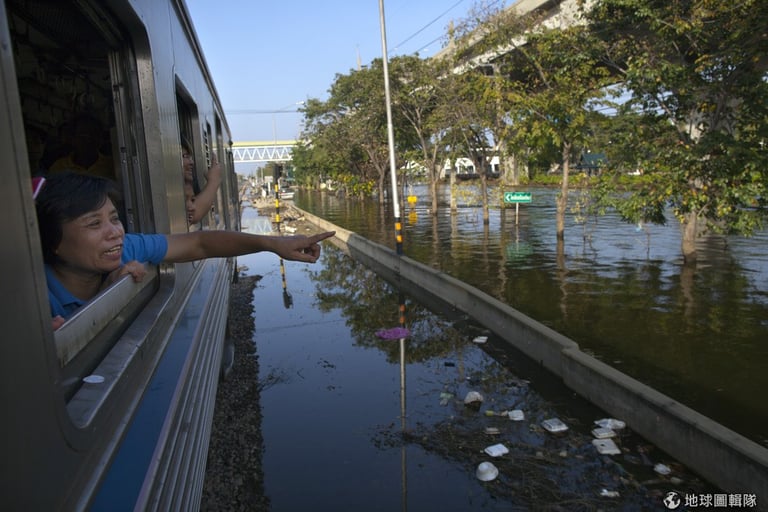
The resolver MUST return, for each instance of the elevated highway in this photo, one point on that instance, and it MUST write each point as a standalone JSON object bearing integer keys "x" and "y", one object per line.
{"x": 550, "y": 13}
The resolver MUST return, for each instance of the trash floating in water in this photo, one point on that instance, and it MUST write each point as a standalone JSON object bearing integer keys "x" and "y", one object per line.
{"x": 486, "y": 472}
{"x": 393, "y": 334}
{"x": 491, "y": 413}
{"x": 496, "y": 450}
{"x": 603, "y": 433}
{"x": 445, "y": 397}
{"x": 662, "y": 469}
{"x": 480, "y": 339}
{"x": 493, "y": 431}
{"x": 473, "y": 397}
{"x": 516, "y": 415}
{"x": 606, "y": 446}
{"x": 554, "y": 425}
{"x": 93, "y": 379}
{"x": 605, "y": 493}
{"x": 611, "y": 423}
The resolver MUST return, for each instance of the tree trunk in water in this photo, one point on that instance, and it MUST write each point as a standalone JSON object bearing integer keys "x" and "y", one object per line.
{"x": 433, "y": 186}
{"x": 562, "y": 276}
{"x": 484, "y": 194}
{"x": 452, "y": 181}
{"x": 562, "y": 199}
{"x": 690, "y": 230}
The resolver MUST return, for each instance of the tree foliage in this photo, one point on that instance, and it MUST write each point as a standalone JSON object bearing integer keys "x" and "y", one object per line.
{"x": 696, "y": 78}
{"x": 691, "y": 113}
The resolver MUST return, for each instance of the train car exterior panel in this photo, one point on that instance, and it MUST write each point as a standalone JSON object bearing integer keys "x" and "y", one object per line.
{"x": 139, "y": 439}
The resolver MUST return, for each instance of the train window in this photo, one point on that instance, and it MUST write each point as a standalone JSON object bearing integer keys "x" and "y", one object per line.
{"x": 78, "y": 92}
{"x": 216, "y": 207}
{"x": 196, "y": 175}
{"x": 223, "y": 211}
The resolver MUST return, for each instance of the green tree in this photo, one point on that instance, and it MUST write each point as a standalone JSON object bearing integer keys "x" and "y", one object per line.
{"x": 554, "y": 74}
{"x": 416, "y": 96}
{"x": 469, "y": 117}
{"x": 321, "y": 156}
{"x": 359, "y": 96}
{"x": 695, "y": 72}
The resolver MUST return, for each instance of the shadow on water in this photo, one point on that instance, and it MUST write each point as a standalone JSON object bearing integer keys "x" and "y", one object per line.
{"x": 697, "y": 334}
{"x": 352, "y": 421}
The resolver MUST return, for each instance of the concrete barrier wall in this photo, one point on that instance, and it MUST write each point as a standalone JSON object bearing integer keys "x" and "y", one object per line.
{"x": 722, "y": 456}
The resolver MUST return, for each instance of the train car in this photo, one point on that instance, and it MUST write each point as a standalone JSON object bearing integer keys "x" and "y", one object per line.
{"x": 113, "y": 410}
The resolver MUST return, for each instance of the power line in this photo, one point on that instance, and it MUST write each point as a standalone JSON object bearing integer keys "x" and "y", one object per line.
{"x": 424, "y": 47}
{"x": 422, "y": 29}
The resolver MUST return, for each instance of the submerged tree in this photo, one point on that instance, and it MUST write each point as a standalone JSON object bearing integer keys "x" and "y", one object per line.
{"x": 696, "y": 74}
{"x": 555, "y": 75}
{"x": 544, "y": 80}
{"x": 418, "y": 98}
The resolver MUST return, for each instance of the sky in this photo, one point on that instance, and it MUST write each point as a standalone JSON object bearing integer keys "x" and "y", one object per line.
{"x": 271, "y": 56}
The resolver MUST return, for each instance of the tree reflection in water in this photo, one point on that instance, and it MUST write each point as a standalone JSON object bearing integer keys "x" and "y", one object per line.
{"x": 542, "y": 470}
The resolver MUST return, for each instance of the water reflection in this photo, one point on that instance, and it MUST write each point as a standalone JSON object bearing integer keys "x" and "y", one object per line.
{"x": 697, "y": 334}
{"x": 438, "y": 364}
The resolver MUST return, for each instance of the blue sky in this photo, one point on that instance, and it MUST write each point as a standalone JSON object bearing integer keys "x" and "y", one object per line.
{"x": 268, "y": 56}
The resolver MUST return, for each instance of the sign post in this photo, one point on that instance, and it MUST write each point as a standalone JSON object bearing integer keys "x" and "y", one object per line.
{"x": 517, "y": 198}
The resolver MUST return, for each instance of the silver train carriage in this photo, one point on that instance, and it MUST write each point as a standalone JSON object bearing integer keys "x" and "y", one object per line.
{"x": 113, "y": 411}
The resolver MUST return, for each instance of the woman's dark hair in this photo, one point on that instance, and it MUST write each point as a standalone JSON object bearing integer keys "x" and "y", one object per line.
{"x": 64, "y": 197}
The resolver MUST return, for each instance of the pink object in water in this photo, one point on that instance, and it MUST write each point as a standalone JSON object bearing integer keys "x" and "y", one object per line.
{"x": 393, "y": 333}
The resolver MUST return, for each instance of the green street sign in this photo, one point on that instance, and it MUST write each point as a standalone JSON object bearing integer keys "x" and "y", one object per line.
{"x": 517, "y": 197}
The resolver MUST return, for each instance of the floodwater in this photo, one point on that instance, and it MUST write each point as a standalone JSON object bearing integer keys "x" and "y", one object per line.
{"x": 699, "y": 335}
{"x": 352, "y": 421}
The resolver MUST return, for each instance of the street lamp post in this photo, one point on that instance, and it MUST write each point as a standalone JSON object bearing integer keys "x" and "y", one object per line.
{"x": 390, "y": 134}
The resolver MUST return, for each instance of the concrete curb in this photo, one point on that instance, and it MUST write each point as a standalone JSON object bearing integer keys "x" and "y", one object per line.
{"x": 725, "y": 458}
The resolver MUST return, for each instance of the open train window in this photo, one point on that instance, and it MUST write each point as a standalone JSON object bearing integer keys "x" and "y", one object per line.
{"x": 78, "y": 91}
{"x": 214, "y": 146}
{"x": 197, "y": 149}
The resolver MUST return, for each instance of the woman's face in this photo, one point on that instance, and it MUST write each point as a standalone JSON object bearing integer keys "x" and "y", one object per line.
{"x": 187, "y": 165}
{"x": 93, "y": 242}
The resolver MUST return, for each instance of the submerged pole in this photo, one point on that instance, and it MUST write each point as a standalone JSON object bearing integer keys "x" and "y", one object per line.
{"x": 390, "y": 134}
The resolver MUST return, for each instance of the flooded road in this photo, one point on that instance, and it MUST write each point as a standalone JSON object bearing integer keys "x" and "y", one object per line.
{"x": 699, "y": 335}
{"x": 352, "y": 421}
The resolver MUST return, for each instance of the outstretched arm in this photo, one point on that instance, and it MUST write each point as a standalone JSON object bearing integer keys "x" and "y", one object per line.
{"x": 220, "y": 244}
{"x": 200, "y": 205}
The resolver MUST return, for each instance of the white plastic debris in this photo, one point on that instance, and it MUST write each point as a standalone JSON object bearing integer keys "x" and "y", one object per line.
{"x": 662, "y": 469}
{"x": 603, "y": 433}
{"x": 554, "y": 425}
{"x": 473, "y": 397}
{"x": 93, "y": 379}
{"x": 493, "y": 431}
{"x": 606, "y": 446}
{"x": 496, "y": 450}
{"x": 516, "y": 415}
{"x": 605, "y": 493}
{"x": 486, "y": 471}
{"x": 611, "y": 423}
{"x": 480, "y": 339}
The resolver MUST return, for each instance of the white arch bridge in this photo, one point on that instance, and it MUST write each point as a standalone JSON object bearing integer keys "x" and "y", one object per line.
{"x": 263, "y": 151}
